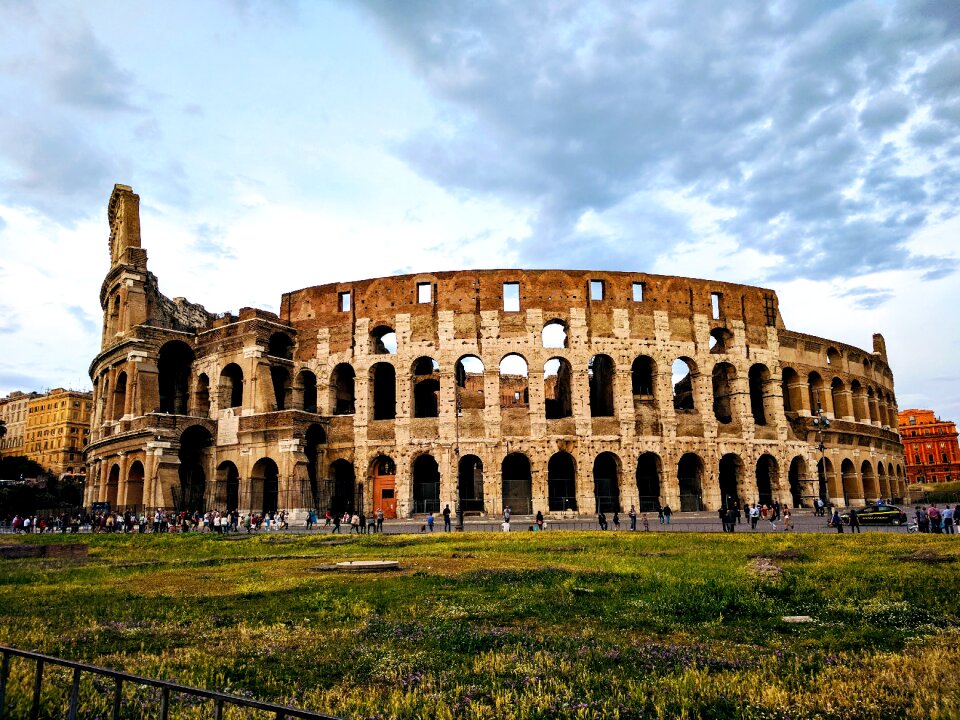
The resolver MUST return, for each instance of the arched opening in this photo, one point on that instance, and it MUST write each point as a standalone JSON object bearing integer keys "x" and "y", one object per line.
{"x": 517, "y": 484}
{"x": 789, "y": 382}
{"x": 600, "y": 371}
{"x": 824, "y": 473}
{"x": 135, "y": 486}
{"x": 426, "y": 485}
{"x": 554, "y": 334}
{"x": 426, "y": 388}
{"x": 342, "y": 488}
{"x": 767, "y": 479}
{"x": 264, "y": 486}
{"x": 833, "y": 358}
{"x": 470, "y": 483}
{"x": 883, "y": 482}
{"x": 174, "y": 370}
{"x": 724, "y": 379}
{"x": 606, "y": 482}
{"x": 119, "y": 396}
{"x": 690, "y": 478}
{"x": 281, "y": 386}
{"x": 759, "y": 379}
{"x": 228, "y": 486}
{"x": 314, "y": 441}
{"x": 114, "y": 322}
{"x": 872, "y": 406}
{"x": 720, "y": 341}
{"x": 859, "y": 401}
{"x": 797, "y": 475}
{"x": 202, "y": 395}
{"x": 838, "y": 396}
{"x": 469, "y": 378}
{"x": 231, "y": 386}
{"x": 557, "y": 389}
{"x": 280, "y": 345}
{"x": 731, "y": 480}
{"x": 642, "y": 374}
{"x": 308, "y": 387}
{"x": 514, "y": 392}
{"x": 383, "y": 340}
{"x": 871, "y": 490}
{"x": 851, "y": 483}
{"x": 385, "y": 485}
{"x": 682, "y": 376}
{"x": 561, "y": 482}
{"x": 383, "y": 388}
{"x": 342, "y": 387}
{"x": 815, "y": 389}
{"x": 113, "y": 486}
{"x": 194, "y": 459}
{"x": 648, "y": 482}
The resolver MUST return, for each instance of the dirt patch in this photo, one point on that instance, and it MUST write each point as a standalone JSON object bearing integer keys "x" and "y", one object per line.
{"x": 765, "y": 567}
{"x": 927, "y": 555}
{"x": 788, "y": 554}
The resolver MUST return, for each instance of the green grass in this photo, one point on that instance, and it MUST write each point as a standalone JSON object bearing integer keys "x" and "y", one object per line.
{"x": 526, "y": 625}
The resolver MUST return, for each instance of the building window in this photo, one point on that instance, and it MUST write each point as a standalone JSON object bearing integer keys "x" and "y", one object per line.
{"x": 344, "y": 299}
{"x": 424, "y": 294}
{"x": 715, "y": 305}
{"x": 638, "y": 291}
{"x": 511, "y": 297}
{"x": 596, "y": 289}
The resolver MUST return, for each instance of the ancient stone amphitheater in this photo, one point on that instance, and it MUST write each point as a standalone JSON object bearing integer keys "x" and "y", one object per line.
{"x": 553, "y": 390}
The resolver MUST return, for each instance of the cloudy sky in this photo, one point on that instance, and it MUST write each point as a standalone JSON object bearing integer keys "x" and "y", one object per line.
{"x": 813, "y": 147}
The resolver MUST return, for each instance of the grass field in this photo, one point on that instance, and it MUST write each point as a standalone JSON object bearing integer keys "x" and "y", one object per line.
{"x": 525, "y": 625}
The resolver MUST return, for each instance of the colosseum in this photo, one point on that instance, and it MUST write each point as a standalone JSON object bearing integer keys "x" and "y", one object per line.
{"x": 544, "y": 390}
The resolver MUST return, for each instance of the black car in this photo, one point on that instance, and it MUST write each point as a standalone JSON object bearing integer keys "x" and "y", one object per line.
{"x": 878, "y": 515}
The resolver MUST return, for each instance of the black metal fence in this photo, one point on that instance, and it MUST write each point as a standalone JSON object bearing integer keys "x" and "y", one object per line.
{"x": 164, "y": 693}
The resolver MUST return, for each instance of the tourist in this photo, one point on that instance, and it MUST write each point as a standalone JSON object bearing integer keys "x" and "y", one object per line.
{"x": 836, "y": 521}
{"x": 731, "y": 520}
{"x": 355, "y": 524}
{"x": 933, "y": 513}
{"x": 447, "y": 527}
{"x": 723, "y": 518}
{"x": 430, "y": 521}
{"x": 506, "y": 514}
{"x": 854, "y": 521}
{"x": 787, "y": 519}
{"x": 632, "y": 514}
{"x": 602, "y": 520}
{"x": 946, "y": 517}
{"x": 660, "y": 513}
{"x": 539, "y": 520}
{"x": 616, "y": 519}
{"x": 645, "y": 522}
{"x": 754, "y": 516}
{"x": 667, "y": 513}
{"x": 336, "y": 524}
{"x": 379, "y": 520}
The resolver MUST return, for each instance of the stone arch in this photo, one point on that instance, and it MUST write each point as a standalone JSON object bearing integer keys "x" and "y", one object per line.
{"x": 194, "y": 455}
{"x": 858, "y": 395}
{"x": 314, "y": 440}
{"x": 227, "y": 494}
{"x": 265, "y": 486}
{"x": 649, "y": 472}
{"x": 383, "y": 474}
{"x": 600, "y": 371}
{"x": 383, "y": 391}
{"x": 606, "y": 482}
{"x": 280, "y": 345}
{"x": 135, "y": 474}
{"x": 791, "y": 390}
{"x": 343, "y": 487}
{"x": 383, "y": 340}
{"x": 768, "y": 480}
{"x": 426, "y": 484}
{"x": 514, "y": 389}
{"x": 815, "y": 389}
{"x": 174, "y": 369}
{"x": 838, "y": 396}
{"x": 643, "y": 375}
{"x": 761, "y": 398}
{"x": 834, "y": 358}
{"x": 868, "y": 478}
{"x": 470, "y": 483}
{"x": 202, "y": 395}
{"x": 307, "y": 384}
{"x": 690, "y": 480}
{"x": 558, "y": 388}
{"x": 113, "y": 485}
{"x": 683, "y": 372}
{"x": 119, "y": 396}
{"x": 724, "y": 391}
{"x": 850, "y": 483}
{"x": 797, "y": 476}
{"x": 730, "y": 476}
{"x": 824, "y": 474}
{"x": 561, "y": 482}
{"x": 343, "y": 389}
{"x": 517, "y": 483}
{"x": 425, "y": 379}
{"x": 469, "y": 374}
{"x": 554, "y": 334}
{"x": 231, "y": 386}
{"x": 280, "y": 377}
{"x": 720, "y": 341}
{"x": 872, "y": 406}
{"x": 883, "y": 482}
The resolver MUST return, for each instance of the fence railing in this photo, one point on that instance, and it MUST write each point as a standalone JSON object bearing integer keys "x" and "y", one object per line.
{"x": 218, "y": 700}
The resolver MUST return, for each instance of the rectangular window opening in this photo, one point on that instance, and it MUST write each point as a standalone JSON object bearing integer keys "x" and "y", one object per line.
{"x": 424, "y": 293}
{"x": 511, "y": 297}
{"x": 596, "y": 289}
{"x": 344, "y": 298}
{"x": 715, "y": 305}
{"x": 638, "y": 291}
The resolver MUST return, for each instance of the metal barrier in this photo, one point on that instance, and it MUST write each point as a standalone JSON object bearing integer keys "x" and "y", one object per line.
{"x": 166, "y": 688}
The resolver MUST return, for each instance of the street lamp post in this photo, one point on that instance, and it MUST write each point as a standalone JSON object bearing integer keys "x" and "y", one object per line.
{"x": 821, "y": 423}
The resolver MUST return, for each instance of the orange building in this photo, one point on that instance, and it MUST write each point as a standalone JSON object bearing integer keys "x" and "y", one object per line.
{"x": 930, "y": 445}
{"x": 58, "y": 428}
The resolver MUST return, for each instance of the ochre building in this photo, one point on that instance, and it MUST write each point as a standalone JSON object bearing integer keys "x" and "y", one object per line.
{"x": 57, "y": 429}
{"x": 930, "y": 446}
{"x": 553, "y": 390}
{"x": 13, "y": 412}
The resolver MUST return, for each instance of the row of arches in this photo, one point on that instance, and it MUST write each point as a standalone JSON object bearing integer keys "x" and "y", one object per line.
{"x": 855, "y": 402}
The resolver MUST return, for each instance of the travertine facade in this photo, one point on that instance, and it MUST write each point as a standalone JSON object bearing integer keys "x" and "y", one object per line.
{"x": 543, "y": 390}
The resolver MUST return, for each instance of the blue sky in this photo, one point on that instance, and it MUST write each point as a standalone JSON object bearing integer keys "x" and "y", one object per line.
{"x": 812, "y": 147}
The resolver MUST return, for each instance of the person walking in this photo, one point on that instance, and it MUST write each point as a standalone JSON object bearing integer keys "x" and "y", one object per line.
{"x": 946, "y": 517}
{"x": 355, "y": 524}
{"x": 787, "y": 519}
{"x": 836, "y": 521}
{"x": 430, "y": 521}
{"x": 723, "y": 518}
{"x": 602, "y": 520}
{"x": 336, "y": 524}
{"x": 667, "y": 513}
{"x": 616, "y": 519}
{"x": 754, "y": 516}
{"x": 645, "y": 522}
{"x": 379, "y": 520}
{"x": 632, "y": 514}
{"x": 854, "y": 521}
{"x": 660, "y": 513}
{"x": 447, "y": 527}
